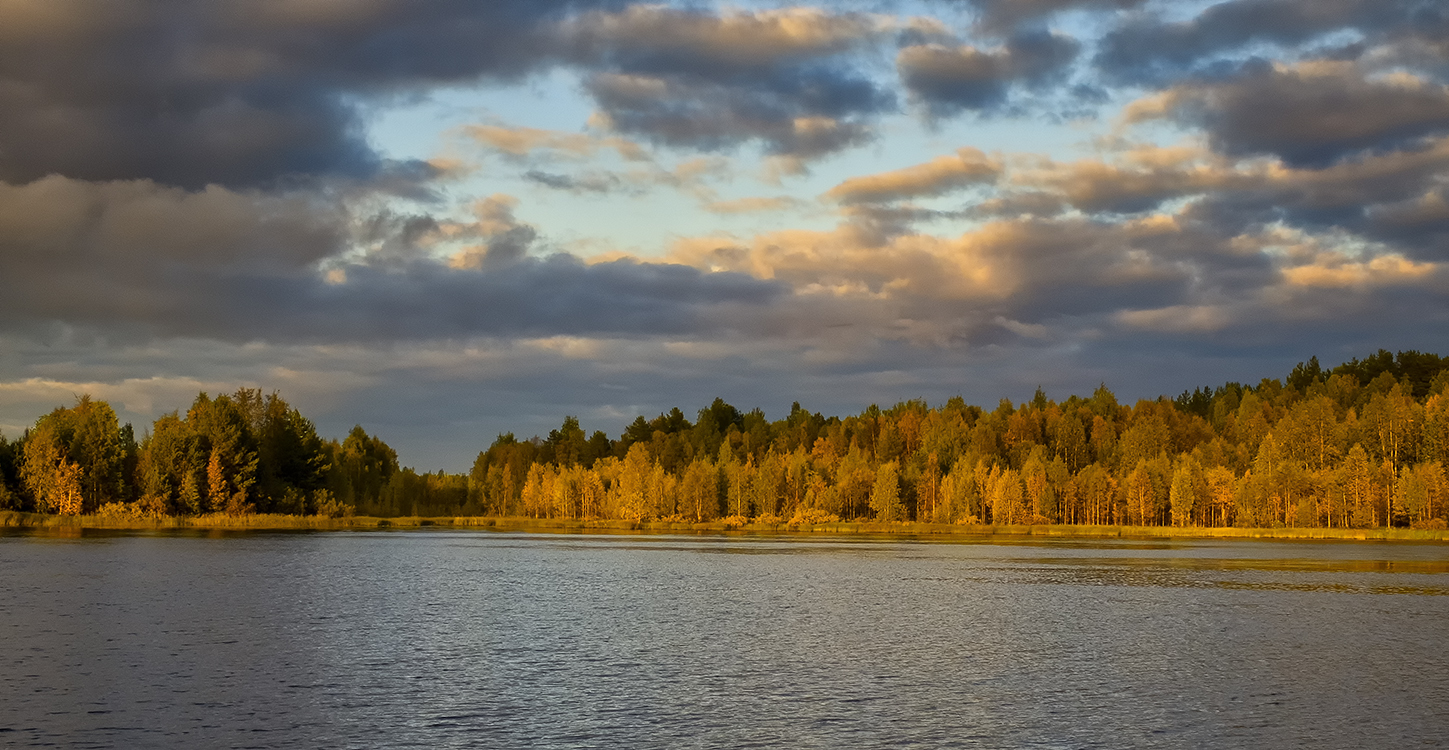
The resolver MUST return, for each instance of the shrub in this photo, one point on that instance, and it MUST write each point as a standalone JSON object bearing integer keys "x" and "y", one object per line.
{"x": 813, "y": 516}
{"x": 734, "y": 522}
{"x": 330, "y": 507}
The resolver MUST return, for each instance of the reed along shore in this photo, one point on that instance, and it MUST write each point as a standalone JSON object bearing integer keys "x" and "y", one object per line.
{"x": 965, "y": 532}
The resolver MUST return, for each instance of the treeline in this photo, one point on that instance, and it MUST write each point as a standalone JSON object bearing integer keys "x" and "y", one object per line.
{"x": 1362, "y": 445}
{"x": 236, "y": 454}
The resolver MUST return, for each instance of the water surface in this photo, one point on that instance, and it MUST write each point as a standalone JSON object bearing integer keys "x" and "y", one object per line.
{"x": 478, "y": 639}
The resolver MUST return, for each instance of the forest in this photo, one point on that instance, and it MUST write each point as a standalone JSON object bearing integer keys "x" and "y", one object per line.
{"x": 1361, "y": 445}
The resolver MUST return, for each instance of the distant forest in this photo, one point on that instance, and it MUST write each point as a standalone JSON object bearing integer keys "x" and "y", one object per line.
{"x": 1362, "y": 445}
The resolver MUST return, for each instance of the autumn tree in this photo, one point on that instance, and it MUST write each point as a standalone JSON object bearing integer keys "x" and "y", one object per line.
{"x": 1222, "y": 487}
{"x": 1141, "y": 494}
{"x": 960, "y": 497}
{"x": 49, "y": 474}
{"x": 1188, "y": 491}
{"x": 1356, "y": 482}
{"x": 72, "y": 459}
{"x": 1419, "y": 494}
{"x": 1392, "y": 424}
{"x": 1436, "y": 427}
{"x": 1007, "y": 496}
{"x": 1099, "y": 492}
{"x": 1312, "y": 433}
{"x": 700, "y": 489}
{"x": 633, "y": 485}
{"x": 885, "y": 497}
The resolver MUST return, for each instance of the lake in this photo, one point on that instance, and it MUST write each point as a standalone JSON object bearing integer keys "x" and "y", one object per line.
{"x": 478, "y": 639}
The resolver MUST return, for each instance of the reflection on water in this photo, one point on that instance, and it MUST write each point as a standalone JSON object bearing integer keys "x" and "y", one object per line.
{"x": 477, "y": 639}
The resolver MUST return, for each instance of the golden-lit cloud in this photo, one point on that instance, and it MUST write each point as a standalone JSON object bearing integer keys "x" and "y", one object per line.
{"x": 733, "y": 37}
{"x": 1177, "y": 319}
{"x": 756, "y": 204}
{"x": 941, "y": 175}
{"x": 523, "y": 142}
{"x": 1338, "y": 271}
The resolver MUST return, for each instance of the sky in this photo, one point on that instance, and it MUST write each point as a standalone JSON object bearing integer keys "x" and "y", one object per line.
{"x": 448, "y": 220}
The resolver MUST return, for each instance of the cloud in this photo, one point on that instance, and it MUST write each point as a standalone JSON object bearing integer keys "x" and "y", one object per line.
{"x": 694, "y": 79}
{"x": 949, "y": 79}
{"x": 1338, "y": 270}
{"x": 1133, "y": 180}
{"x": 939, "y": 176}
{"x": 1308, "y": 114}
{"x": 1393, "y": 198}
{"x": 150, "y": 396}
{"x": 1005, "y": 15}
{"x": 806, "y": 116}
{"x": 754, "y": 204}
{"x": 1420, "y": 222}
{"x": 1018, "y": 203}
{"x": 1177, "y": 319}
{"x": 660, "y": 39}
{"x": 55, "y": 228}
{"x": 694, "y": 177}
{"x": 943, "y": 289}
{"x": 520, "y": 142}
{"x": 1097, "y": 283}
{"x": 238, "y": 93}
{"x": 597, "y": 183}
{"x": 1148, "y": 49}
{"x": 554, "y": 295}
{"x": 1383, "y": 198}
{"x": 134, "y": 259}
{"x": 506, "y": 240}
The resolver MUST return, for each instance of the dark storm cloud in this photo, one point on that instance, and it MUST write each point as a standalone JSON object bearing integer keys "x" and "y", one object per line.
{"x": 1419, "y": 224}
{"x": 1312, "y": 114}
{"x": 798, "y": 115}
{"x": 136, "y": 229}
{"x": 951, "y": 79}
{"x": 151, "y": 260}
{"x": 1396, "y": 197}
{"x": 1004, "y": 15}
{"x": 556, "y": 295}
{"x": 694, "y": 79}
{"x": 1152, "y": 50}
{"x": 1393, "y": 198}
{"x": 232, "y": 92}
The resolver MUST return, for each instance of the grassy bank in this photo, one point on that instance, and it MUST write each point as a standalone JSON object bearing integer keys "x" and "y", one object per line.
{"x": 260, "y": 522}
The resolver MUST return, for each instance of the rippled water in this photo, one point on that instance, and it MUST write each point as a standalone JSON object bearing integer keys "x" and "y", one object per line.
{"x": 463, "y": 639}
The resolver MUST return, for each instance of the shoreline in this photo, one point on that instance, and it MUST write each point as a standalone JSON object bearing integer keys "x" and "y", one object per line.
{"x": 217, "y": 522}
